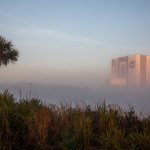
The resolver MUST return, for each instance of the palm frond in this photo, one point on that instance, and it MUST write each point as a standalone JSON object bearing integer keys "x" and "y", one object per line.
{"x": 8, "y": 54}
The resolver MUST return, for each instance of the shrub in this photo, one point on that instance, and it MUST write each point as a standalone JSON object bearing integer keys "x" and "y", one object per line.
{"x": 28, "y": 124}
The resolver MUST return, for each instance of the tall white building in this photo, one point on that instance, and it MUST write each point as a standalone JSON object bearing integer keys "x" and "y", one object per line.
{"x": 131, "y": 70}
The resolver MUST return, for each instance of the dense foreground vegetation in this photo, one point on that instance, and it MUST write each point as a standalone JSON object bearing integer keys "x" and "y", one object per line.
{"x": 29, "y": 124}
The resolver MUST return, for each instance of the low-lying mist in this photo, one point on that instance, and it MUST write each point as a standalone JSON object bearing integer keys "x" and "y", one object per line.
{"x": 138, "y": 97}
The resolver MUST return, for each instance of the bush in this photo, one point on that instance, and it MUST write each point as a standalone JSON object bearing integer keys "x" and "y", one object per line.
{"x": 28, "y": 124}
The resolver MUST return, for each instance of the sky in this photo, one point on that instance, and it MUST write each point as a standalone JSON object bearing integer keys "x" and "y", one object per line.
{"x": 72, "y": 42}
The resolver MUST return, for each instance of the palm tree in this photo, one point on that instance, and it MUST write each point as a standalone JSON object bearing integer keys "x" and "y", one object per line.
{"x": 8, "y": 54}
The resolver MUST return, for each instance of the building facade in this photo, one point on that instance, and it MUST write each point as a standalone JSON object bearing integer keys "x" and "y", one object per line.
{"x": 130, "y": 70}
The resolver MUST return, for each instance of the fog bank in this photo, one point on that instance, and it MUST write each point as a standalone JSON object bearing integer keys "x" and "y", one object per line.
{"x": 138, "y": 97}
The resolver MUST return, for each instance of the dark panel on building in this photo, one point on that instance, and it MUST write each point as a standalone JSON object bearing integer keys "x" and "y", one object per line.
{"x": 143, "y": 69}
{"x": 120, "y": 60}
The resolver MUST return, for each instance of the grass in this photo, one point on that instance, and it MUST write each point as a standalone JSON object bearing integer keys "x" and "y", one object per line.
{"x": 29, "y": 124}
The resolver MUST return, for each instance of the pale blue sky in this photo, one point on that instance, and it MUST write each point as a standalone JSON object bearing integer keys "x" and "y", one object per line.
{"x": 72, "y": 41}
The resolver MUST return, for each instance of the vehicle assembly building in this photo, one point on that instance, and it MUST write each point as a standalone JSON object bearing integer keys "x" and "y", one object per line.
{"x": 131, "y": 70}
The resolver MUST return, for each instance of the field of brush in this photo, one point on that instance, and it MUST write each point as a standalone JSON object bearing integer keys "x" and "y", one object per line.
{"x": 29, "y": 124}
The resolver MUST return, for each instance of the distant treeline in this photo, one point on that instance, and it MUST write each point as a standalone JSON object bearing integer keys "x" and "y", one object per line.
{"x": 28, "y": 124}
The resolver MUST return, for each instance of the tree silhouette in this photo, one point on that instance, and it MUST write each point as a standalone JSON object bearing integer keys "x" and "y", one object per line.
{"x": 8, "y": 54}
